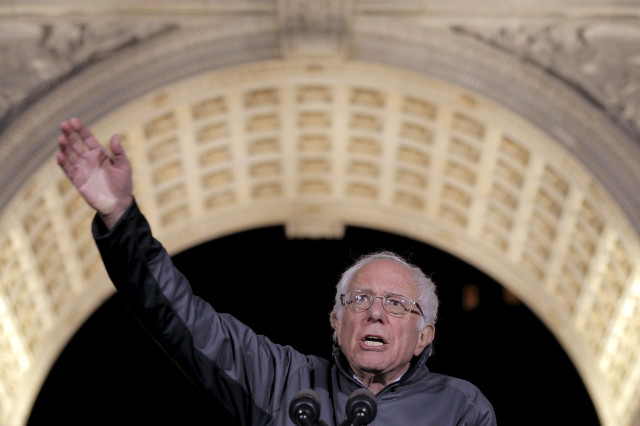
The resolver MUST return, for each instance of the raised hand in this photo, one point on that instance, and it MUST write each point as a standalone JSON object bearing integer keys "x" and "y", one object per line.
{"x": 102, "y": 178}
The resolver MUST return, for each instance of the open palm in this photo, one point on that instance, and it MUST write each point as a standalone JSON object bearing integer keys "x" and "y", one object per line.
{"x": 102, "y": 178}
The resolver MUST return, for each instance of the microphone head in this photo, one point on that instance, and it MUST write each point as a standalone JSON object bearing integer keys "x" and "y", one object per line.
{"x": 362, "y": 404}
{"x": 304, "y": 408}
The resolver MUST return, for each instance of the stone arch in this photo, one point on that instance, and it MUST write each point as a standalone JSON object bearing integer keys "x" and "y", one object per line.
{"x": 251, "y": 139}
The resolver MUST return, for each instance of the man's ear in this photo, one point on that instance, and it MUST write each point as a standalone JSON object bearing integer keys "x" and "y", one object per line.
{"x": 335, "y": 324}
{"x": 425, "y": 337}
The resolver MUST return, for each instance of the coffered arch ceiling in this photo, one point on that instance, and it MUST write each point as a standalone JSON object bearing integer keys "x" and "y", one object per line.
{"x": 396, "y": 126}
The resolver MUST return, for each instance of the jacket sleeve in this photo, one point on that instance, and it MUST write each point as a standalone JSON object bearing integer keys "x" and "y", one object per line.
{"x": 245, "y": 372}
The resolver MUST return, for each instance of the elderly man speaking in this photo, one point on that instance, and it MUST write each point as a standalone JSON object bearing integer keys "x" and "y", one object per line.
{"x": 383, "y": 318}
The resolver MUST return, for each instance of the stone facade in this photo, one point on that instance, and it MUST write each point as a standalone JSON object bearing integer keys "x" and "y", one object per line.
{"x": 504, "y": 134}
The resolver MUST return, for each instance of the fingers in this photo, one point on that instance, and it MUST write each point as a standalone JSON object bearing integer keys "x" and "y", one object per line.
{"x": 85, "y": 133}
{"x": 70, "y": 141}
{"x": 68, "y": 128}
{"x": 79, "y": 137}
{"x": 67, "y": 153}
{"x": 73, "y": 144}
{"x": 65, "y": 163}
{"x": 61, "y": 159}
{"x": 78, "y": 147}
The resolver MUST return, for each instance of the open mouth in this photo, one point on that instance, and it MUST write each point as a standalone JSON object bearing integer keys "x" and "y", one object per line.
{"x": 373, "y": 341}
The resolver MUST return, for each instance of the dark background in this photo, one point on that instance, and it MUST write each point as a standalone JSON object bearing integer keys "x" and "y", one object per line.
{"x": 112, "y": 373}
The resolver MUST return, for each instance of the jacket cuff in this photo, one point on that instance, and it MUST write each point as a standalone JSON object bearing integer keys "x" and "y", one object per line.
{"x": 100, "y": 230}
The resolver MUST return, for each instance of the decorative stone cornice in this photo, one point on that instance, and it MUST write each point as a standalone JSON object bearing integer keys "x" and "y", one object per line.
{"x": 41, "y": 54}
{"x": 601, "y": 60}
{"x": 316, "y": 28}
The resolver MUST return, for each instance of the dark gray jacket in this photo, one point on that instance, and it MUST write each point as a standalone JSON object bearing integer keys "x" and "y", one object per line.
{"x": 253, "y": 378}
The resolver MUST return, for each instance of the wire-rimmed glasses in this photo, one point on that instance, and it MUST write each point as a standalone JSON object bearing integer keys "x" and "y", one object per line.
{"x": 395, "y": 304}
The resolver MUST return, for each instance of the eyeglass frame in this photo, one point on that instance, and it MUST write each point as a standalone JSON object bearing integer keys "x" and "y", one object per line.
{"x": 383, "y": 298}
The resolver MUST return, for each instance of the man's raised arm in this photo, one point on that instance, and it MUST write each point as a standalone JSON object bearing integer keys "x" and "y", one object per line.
{"x": 103, "y": 178}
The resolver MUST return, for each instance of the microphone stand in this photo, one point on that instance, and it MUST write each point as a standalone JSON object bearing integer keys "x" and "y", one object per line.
{"x": 304, "y": 409}
{"x": 361, "y": 408}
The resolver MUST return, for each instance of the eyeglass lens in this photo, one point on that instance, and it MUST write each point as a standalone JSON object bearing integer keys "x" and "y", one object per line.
{"x": 392, "y": 303}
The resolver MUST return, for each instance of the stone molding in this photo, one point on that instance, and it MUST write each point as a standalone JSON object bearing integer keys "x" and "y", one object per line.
{"x": 572, "y": 76}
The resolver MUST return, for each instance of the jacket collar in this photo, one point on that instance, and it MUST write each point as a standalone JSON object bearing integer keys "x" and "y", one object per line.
{"x": 417, "y": 367}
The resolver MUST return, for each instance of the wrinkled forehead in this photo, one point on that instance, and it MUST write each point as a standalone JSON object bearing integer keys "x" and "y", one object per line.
{"x": 384, "y": 276}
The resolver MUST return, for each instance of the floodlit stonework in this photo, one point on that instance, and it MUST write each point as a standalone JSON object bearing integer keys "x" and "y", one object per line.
{"x": 507, "y": 136}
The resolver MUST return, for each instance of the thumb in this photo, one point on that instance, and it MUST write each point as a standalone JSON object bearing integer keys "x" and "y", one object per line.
{"x": 119, "y": 155}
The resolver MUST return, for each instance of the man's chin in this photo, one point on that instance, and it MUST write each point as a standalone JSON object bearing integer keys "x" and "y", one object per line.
{"x": 371, "y": 363}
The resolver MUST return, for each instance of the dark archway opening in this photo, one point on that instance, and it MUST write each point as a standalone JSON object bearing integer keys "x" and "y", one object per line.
{"x": 112, "y": 373}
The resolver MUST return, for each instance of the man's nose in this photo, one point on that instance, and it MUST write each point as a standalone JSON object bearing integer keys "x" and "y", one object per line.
{"x": 376, "y": 310}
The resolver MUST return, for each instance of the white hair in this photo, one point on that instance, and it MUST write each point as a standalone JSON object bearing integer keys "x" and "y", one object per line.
{"x": 428, "y": 300}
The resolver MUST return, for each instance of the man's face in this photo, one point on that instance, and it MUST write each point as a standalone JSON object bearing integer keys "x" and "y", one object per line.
{"x": 359, "y": 333}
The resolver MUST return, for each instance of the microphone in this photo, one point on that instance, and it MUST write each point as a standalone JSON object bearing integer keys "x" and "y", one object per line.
{"x": 361, "y": 408}
{"x": 304, "y": 408}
